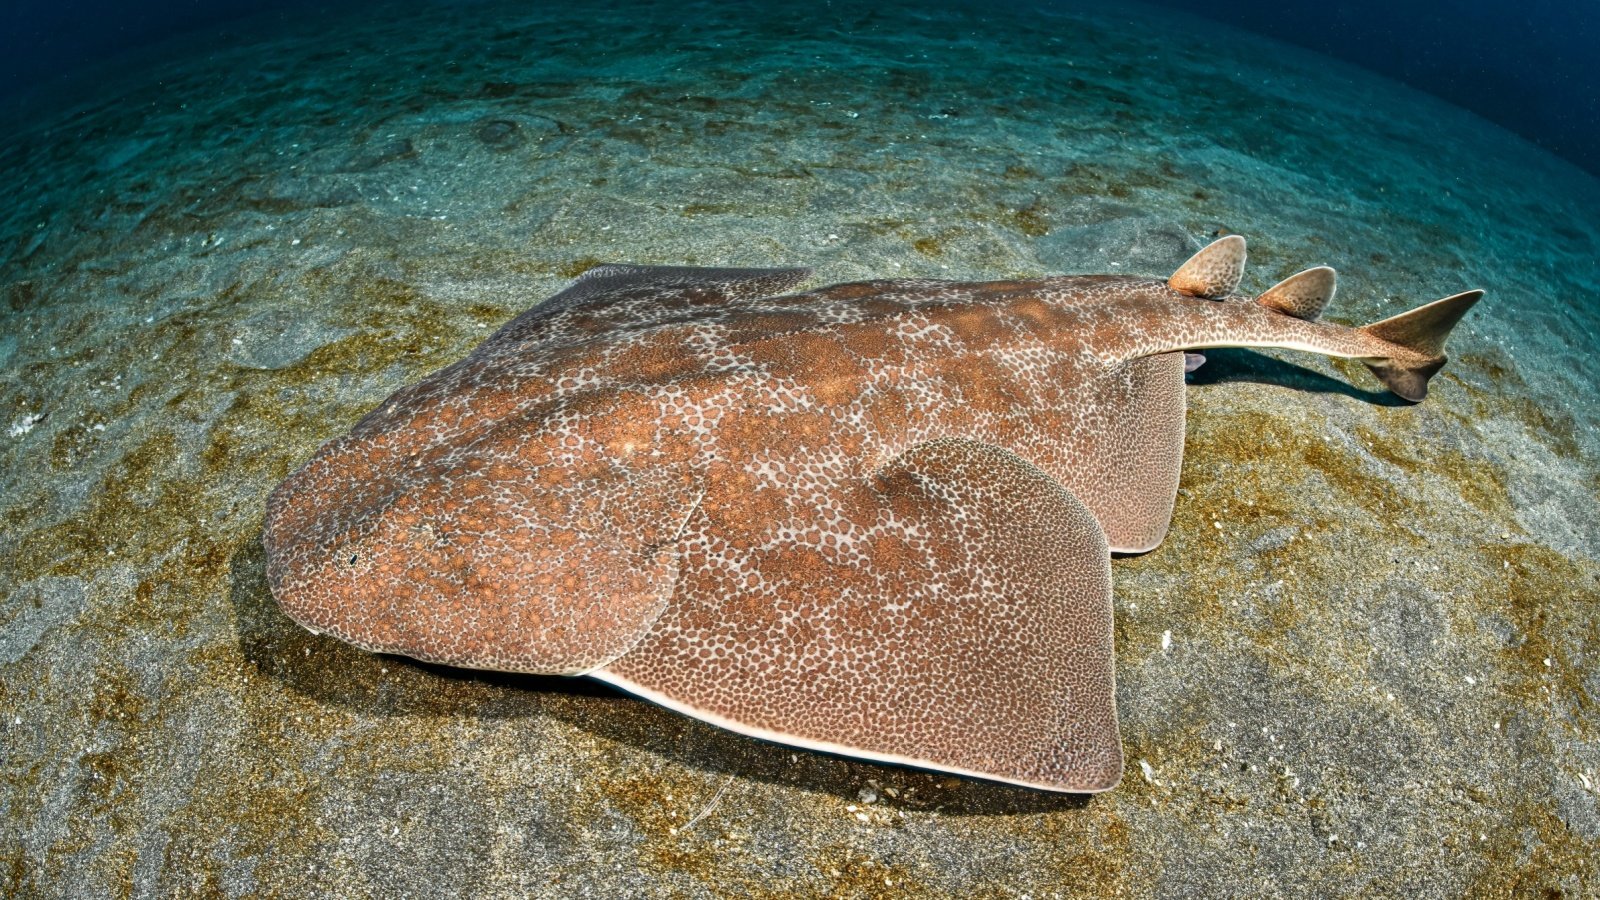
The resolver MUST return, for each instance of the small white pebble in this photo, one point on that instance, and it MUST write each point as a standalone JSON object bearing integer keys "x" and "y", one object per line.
{"x": 1148, "y": 770}
{"x": 867, "y": 795}
{"x": 295, "y": 242}
{"x": 25, "y": 424}
{"x": 1547, "y": 662}
{"x": 1471, "y": 680}
{"x": 237, "y": 342}
{"x": 1166, "y": 640}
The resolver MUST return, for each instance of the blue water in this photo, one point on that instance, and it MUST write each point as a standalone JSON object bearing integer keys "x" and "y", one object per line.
{"x": 1527, "y": 66}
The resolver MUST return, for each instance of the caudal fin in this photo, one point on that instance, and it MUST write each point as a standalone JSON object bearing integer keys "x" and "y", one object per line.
{"x": 1418, "y": 336}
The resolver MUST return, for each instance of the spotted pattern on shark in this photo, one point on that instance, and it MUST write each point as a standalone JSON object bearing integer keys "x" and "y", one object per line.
{"x": 873, "y": 518}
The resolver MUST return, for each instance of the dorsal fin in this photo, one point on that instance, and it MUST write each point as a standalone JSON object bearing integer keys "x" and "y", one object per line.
{"x": 1303, "y": 294}
{"x": 1214, "y": 272}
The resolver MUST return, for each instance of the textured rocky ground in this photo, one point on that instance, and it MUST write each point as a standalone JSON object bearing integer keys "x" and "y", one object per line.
{"x": 1365, "y": 662}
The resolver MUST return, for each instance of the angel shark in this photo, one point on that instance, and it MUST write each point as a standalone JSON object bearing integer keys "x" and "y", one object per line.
{"x": 873, "y": 519}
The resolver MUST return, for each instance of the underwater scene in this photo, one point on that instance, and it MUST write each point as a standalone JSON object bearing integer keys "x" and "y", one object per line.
{"x": 903, "y": 558}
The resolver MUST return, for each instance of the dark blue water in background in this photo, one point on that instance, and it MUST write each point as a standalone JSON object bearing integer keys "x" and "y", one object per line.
{"x": 1527, "y": 66}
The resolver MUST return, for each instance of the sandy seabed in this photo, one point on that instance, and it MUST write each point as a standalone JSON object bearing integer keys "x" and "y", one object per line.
{"x": 1365, "y": 662}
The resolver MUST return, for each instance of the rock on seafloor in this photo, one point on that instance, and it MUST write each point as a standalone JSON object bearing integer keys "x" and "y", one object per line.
{"x": 1365, "y": 662}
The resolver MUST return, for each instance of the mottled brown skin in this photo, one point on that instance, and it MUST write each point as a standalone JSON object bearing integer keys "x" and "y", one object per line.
{"x": 872, "y": 518}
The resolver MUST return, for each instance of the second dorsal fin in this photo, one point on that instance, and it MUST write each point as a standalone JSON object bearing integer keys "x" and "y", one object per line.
{"x": 1214, "y": 272}
{"x": 1303, "y": 294}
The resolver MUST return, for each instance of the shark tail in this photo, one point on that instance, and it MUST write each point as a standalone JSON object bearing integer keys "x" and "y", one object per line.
{"x": 1418, "y": 336}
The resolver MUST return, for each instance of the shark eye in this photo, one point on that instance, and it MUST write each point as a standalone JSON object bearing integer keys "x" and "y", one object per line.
{"x": 354, "y": 557}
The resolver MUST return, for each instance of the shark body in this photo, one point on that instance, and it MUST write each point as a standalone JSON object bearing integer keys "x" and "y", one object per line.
{"x": 873, "y": 518}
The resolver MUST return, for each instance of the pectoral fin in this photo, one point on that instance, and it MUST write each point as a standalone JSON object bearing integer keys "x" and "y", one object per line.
{"x": 957, "y": 617}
